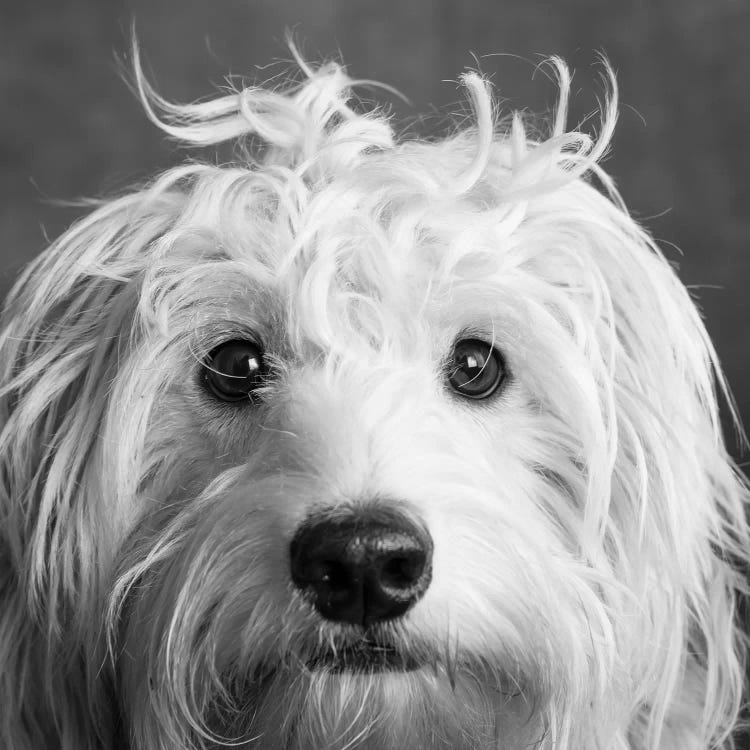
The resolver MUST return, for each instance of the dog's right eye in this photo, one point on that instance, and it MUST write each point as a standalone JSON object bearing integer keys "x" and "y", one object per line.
{"x": 234, "y": 370}
{"x": 476, "y": 369}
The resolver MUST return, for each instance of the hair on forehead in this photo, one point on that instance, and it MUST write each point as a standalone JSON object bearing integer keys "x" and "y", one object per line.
{"x": 320, "y": 128}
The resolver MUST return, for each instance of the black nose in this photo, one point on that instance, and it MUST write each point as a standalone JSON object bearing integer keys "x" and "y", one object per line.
{"x": 361, "y": 567}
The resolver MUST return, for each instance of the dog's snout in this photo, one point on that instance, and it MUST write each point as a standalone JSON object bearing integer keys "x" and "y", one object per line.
{"x": 363, "y": 567}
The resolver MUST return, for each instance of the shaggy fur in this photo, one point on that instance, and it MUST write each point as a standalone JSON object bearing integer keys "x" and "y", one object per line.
{"x": 588, "y": 524}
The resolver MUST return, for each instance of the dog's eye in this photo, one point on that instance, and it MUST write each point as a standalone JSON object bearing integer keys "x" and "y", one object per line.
{"x": 233, "y": 370}
{"x": 476, "y": 369}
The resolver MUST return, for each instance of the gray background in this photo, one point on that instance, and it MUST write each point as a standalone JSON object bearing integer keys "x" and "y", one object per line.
{"x": 69, "y": 127}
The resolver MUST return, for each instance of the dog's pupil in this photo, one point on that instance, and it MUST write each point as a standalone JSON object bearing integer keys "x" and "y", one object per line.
{"x": 233, "y": 370}
{"x": 471, "y": 362}
{"x": 477, "y": 369}
{"x": 238, "y": 363}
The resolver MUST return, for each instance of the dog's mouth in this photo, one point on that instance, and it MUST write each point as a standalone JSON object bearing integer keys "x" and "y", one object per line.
{"x": 365, "y": 656}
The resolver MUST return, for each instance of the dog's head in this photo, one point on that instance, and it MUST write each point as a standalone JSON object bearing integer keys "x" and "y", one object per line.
{"x": 364, "y": 442}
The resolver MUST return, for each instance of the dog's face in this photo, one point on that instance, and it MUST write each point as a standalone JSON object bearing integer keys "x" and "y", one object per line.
{"x": 366, "y": 445}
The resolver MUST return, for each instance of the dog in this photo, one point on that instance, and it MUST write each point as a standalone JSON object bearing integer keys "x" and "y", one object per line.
{"x": 366, "y": 441}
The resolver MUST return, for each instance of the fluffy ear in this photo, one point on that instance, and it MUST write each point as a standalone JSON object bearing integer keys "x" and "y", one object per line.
{"x": 674, "y": 524}
{"x": 665, "y": 505}
{"x": 665, "y": 499}
{"x": 65, "y": 325}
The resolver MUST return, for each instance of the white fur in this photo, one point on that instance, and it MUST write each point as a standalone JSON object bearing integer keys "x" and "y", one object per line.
{"x": 588, "y": 523}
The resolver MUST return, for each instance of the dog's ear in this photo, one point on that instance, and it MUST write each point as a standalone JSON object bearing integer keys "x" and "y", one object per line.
{"x": 665, "y": 500}
{"x": 65, "y": 326}
{"x": 664, "y": 506}
{"x": 677, "y": 499}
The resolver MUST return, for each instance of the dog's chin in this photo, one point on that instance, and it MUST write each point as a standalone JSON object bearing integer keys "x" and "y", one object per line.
{"x": 384, "y": 689}
{"x": 365, "y": 657}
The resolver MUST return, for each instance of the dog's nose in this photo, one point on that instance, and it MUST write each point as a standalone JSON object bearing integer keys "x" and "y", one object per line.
{"x": 362, "y": 567}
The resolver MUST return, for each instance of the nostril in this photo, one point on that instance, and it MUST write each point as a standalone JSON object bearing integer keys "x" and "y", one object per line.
{"x": 403, "y": 572}
{"x": 361, "y": 567}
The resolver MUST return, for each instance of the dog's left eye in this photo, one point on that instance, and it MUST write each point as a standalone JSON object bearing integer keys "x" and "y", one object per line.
{"x": 476, "y": 369}
{"x": 233, "y": 370}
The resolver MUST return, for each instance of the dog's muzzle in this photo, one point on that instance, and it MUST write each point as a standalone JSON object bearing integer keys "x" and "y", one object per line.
{"x": 363, "y": 567}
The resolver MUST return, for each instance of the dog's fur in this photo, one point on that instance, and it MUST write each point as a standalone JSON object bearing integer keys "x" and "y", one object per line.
{"x": 588, "y": 524}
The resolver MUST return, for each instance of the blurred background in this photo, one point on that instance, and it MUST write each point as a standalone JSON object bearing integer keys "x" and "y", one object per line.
{"x": 70, "y": 127}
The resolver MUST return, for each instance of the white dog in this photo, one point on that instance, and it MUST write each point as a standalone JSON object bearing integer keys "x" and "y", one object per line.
{"x": 365, "y": 443}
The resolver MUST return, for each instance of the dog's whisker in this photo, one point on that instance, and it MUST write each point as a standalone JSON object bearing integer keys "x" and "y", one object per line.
{"x": 287, "y": 433}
